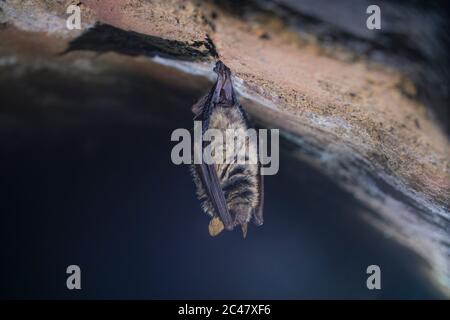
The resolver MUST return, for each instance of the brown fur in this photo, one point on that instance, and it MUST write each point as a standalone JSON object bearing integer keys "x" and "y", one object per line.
{"x": 238, "y": 181}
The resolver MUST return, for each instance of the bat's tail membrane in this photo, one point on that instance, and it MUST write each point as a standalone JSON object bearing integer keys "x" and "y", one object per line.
{"x": 244, "y": 227}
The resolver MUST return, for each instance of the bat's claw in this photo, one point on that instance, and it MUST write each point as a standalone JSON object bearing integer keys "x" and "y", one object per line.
{"x": 258, "y": 220}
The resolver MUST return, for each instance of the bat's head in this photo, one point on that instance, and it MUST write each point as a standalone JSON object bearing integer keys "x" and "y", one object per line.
{"x": 224, "y": 91}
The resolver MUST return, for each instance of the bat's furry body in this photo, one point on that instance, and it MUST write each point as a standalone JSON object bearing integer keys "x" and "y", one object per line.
{"x": 240, "y": 184}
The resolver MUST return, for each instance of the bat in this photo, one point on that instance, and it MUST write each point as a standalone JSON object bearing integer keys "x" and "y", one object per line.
{"x": 231, "y": 193}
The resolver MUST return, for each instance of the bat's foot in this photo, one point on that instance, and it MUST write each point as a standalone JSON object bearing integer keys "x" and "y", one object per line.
{"x": 215, "y": 226}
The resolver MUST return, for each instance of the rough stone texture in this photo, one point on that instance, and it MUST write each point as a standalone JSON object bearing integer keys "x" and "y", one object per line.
{"x": 356, "y": 120}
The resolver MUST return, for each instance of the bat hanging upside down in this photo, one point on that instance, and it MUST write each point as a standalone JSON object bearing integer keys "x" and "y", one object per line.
{"x": 231, "y": 192}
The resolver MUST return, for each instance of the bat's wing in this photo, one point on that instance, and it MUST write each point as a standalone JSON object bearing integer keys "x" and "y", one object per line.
{"x": 207, "y": 172}
{"x": 258, "y": 214}
{"x": 211, "y": 183}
